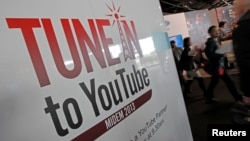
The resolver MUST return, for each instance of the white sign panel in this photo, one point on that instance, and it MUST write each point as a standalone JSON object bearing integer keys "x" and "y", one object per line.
{"x": 88, "y": 70}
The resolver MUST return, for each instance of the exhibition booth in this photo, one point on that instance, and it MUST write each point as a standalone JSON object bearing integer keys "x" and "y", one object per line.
{"x": 195, "y": 24}
{"x": 93, "y": 70}
{"x": 88, "y": 70}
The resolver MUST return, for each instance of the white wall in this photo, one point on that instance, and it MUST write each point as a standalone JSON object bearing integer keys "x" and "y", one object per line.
{"x": 176, "y": 24}
{"x": 213, "y": 17}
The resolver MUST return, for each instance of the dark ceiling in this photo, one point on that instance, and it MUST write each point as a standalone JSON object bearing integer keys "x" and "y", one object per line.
{"x": 177, "y": 6}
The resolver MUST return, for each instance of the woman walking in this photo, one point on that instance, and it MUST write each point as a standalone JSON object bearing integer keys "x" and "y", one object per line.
{"x": 187, "y": 63}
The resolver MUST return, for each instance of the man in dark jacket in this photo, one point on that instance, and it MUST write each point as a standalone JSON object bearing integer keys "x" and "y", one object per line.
{"x": 218, "y": 70}
{"x": 241, "y": 44}
{"x": 177, "y": 51}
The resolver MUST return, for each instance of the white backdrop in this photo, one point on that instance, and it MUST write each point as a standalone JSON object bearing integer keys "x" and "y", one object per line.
{"x": 176, "y": 24}
{"x": 88, "y": 70}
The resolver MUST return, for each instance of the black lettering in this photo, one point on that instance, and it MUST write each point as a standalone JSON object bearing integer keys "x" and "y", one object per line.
{"x": 91, "y": 95}
{"x": 138, "y": 80}
{"x": 51, "y": 109}
{"x": 104, "y": 89}
{"x": 119, "y": 99}
{"x": 68, "y": 115}
{"x": 145, "y": 75}
{"x": 132, "y": 90}
{"x": 120, "y": 72}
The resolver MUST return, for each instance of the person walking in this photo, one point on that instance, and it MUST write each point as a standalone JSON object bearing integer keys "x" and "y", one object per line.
{"x": 177, "y": 51}
{"x": 187, "y": 63}
{"x": 223, "y": 34}
{"x": 216, "y": 68}
{"x": 241, "y": 46}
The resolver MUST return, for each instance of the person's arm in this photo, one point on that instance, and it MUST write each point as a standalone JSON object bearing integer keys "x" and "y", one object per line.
{"x": 226, "y": 36}
{"x": 192, "y": 52}
{"x": 241, "y": 46}
{"x": 210, "y": 49}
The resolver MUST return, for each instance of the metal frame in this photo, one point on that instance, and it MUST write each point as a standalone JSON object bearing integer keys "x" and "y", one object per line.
{"x": 177, "y": 6}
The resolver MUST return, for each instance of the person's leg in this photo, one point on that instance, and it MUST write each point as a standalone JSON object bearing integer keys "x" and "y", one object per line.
{"x": 181, "y": 79}
{"x": 202, "y": 85}
{"x": 213, "y": 82}
{"x": 231, "y": 86}
{"x": 199, "y": 78}
{"x": 187, "y": 88}
{"x": 189, "y": 81}
{"x": 226, "y": 62}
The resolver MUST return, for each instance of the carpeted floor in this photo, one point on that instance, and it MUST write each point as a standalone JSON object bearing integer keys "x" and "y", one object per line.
{"x": 202, "y": 114}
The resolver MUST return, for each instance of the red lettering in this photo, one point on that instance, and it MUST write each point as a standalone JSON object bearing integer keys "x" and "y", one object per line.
{"x": 26, "y": 25}
{"x": 55, "y": 50}
{"x": 132, "y": 38}
{"x": 106, "y": 42}
{"x": 84, "y": 39}
{"x": 88, "y": 46}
